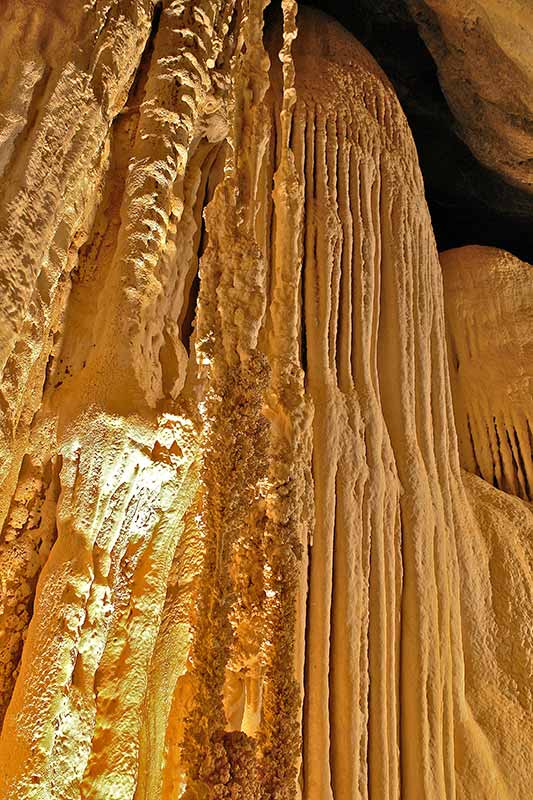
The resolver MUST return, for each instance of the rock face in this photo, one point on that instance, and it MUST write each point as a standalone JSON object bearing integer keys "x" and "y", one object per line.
{"x": 469, "y": 202}
{"x": 483, "y": 55}
{"x": 489, "y": 313}
{"x": 239, "y": 558}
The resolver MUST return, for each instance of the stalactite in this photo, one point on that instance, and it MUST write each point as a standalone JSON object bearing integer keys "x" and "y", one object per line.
{"x": 489, "y": 354}
{"x": 239, "y": 557}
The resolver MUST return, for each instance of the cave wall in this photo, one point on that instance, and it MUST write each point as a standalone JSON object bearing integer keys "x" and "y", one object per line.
{"x": 244, "y": 552}
{"x": 463, "y": 78}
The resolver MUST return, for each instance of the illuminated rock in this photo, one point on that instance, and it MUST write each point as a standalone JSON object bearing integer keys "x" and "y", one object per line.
{"x": 489, "y": 318}
{"x": 238, "y": 553}
{"x": 484, "y": 61}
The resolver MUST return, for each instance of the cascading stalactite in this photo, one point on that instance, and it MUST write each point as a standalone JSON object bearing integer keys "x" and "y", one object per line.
{"x": 243, "y": 552}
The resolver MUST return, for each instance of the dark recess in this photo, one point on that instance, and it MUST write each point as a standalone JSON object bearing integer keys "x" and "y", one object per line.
{"x": 468, "y": 203}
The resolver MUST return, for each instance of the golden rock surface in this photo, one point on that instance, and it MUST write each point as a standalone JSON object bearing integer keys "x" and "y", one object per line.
{"x": 239, "y": 557}
{"x": 482, "y": 49}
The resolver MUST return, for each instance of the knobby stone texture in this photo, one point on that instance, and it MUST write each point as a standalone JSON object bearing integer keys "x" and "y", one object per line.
{"x": 243, "y": 552}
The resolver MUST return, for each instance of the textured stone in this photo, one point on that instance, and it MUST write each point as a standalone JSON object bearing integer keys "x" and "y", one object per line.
{"x": 483, "y": 54}
{"x": 489, "y": 311}
{"x": 239, "y": 556}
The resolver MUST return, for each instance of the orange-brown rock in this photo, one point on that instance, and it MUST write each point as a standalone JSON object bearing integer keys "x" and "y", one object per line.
{"x": 239, "y": 558}
{"x": 490, "y": 346}
{"x": 483, "y": 54}
{"x": 489, "y": 312}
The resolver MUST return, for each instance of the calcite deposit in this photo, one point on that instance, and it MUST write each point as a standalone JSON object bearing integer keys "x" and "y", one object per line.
{"x": 264, "y": 474}
{"x": 489, "y": 310}
{"x": 483, "y": 54}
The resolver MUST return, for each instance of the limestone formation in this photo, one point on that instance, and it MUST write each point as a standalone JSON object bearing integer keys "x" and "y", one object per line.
{"x": 483, "y": 54}
{"x": 239, "y": 557}
{"x": 489, "y": 311}
{"x": 490, "y": 345}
